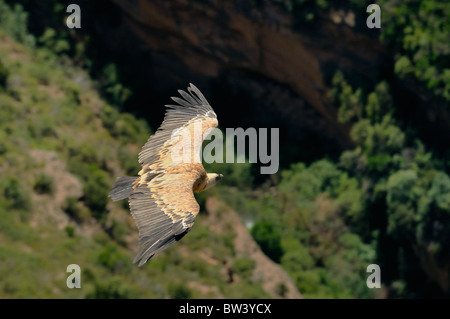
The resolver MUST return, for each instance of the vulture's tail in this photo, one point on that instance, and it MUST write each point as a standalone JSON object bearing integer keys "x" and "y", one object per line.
{"x": 122, "y": 188}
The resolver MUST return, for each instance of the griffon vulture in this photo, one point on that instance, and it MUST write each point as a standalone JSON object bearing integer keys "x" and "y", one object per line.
{"x": 161, "y": 198}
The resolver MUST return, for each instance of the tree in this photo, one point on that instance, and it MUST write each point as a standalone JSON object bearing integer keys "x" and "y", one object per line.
{"x": 268, "y": 236}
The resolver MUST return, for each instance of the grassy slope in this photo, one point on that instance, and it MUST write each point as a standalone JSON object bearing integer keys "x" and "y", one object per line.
{"x": 52, "y": 106}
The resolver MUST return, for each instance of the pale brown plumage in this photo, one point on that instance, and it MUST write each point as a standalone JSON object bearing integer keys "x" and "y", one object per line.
{"x": 161, "y": 198}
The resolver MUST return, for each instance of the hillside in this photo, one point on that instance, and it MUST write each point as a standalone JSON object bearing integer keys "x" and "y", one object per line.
{"x": 61, "y": 148}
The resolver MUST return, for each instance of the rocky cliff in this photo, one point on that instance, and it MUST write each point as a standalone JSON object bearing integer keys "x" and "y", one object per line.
{"x": 254, "y": 68}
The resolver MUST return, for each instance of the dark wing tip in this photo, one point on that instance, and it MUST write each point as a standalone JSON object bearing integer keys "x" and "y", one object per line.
{"x": 153, "y": 244}
{"x": 192, "y": 98}
{"x": 192, "y": 86}
{"x": 194, "y": 90}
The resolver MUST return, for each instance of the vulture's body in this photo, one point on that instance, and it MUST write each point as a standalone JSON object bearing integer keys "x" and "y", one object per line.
{"x": 161, "y": 198}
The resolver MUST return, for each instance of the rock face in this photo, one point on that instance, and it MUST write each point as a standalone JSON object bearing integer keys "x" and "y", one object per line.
{"x": 250, "y": 63}
{"x": 253, "y": 68}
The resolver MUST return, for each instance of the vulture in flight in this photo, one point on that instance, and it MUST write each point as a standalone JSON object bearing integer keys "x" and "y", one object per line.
{"x": 161, "y": 198}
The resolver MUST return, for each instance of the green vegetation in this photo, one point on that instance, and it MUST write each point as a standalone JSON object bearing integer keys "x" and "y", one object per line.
{"x": 304, "y": 225}
{"x": 268, "y": 236}
{"x": 419, "y": 30}
{"x": 15, "y": 194}
{"x": 44, "y": 184}
{"x": 3, "y": 74}
{"x": 14, "y": 21}
{"x": 400, "y": 175}
{"x": 243, "y": 267}
{"x": 326, "y": 222}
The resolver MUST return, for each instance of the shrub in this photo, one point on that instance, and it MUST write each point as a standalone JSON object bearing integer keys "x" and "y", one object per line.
{"x": 96, "y": 190}
{"x": 14, "y": 21}
{"x": 70, "y": 231}
{"x": 117, "y": 231}
{"x": 75, "y": 210}
{"x": 112, "y": 259}
{"x": 297, "y": 260}
{"x": 44, "y": 127}
{"x": 179, "y": 291}
{"x": 110, "y": 289}
{"x": 113, "y": 90}
{"x": 96, "y": 185}
{"x": 44, "y": 184}
{"x": 268, "y": 236}
{"x": 4, "y": 73}
{"x": 281, "y": 289}
{"x": 400, "y": 199}
{"x": 243, "y": 266}
{"x": 16, "y": 195}
{"x": 124, "y": 125}
{"x": 51, "y": 40}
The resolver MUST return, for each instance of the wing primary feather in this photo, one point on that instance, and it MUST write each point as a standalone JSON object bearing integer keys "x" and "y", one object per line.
{"x": 159, "y": 243}
{"x": 122, "y": 188}
{"x": 187, "y": 97}
{"x": 181, "y": 101}
{"x": 193, "y": 89}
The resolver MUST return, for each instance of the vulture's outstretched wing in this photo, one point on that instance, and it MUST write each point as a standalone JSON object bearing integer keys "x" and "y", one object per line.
{"x": 193, "y": 112}
{"x": 164, "y": 211}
